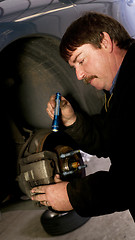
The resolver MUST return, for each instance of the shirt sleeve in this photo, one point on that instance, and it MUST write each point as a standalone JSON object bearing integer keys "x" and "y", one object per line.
{"x": 106, "y": 192}
{"x": 89, "y": 132}
{"x": 102, "y": 192}
{"x": 97, "y": 194}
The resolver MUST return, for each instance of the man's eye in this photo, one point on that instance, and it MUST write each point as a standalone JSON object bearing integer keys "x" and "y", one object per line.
{"x": 81, "y": 62}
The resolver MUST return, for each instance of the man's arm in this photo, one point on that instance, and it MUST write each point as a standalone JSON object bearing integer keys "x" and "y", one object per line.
{"x": 89, "y": 132}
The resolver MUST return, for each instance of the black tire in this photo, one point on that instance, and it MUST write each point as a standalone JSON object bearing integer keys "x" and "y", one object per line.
{"x": 62, "y": 223}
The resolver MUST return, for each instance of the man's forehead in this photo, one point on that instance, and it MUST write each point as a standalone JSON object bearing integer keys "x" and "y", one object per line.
{"x": 75, "y": 54}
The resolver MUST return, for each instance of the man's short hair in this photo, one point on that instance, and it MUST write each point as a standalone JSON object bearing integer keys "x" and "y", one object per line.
{"x": 89, "y": 29}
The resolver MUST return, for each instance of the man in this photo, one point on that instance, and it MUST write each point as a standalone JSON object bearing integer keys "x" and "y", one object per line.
{"x": 102, "y": 53}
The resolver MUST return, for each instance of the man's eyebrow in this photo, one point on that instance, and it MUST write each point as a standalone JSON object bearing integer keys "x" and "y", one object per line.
{"x": 74, "y": 61}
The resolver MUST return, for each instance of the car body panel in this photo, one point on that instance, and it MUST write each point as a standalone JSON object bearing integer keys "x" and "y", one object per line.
{"x": 24, "y": 18}
{"x": 44, "y": 19}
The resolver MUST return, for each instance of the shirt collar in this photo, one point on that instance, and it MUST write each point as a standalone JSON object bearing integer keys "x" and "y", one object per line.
{"x": 114, "y": 82}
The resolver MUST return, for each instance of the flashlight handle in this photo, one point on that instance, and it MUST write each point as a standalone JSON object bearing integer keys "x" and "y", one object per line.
{"x": 55, "y": 123}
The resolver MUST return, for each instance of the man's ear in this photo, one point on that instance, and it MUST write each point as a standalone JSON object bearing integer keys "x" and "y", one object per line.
{"x": 107, "y": 43}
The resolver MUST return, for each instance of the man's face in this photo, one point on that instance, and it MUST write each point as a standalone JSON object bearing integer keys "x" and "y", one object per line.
{"x": 94, "y": 65}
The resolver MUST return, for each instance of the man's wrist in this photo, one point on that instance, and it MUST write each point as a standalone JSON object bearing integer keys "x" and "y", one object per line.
{"x": 70, "y": 122}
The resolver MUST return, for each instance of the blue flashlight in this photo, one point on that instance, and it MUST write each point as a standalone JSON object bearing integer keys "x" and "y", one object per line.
{"x": 55, "y": 123}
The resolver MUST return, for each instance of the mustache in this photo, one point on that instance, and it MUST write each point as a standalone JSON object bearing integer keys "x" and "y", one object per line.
{"x": 89, "y": 79}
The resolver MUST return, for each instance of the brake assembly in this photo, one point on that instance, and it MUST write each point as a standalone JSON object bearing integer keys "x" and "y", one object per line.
{"x": 44, "y": 155}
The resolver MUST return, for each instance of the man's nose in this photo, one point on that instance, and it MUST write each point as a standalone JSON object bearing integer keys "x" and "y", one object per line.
{"x": 80, "y": 73}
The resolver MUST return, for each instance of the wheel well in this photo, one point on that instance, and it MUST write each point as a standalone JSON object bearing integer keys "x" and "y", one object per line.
{"x": 16, "y": 61}
{"x": 23, "y": 98}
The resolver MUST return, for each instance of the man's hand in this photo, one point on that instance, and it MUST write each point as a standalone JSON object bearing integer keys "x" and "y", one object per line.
{"x": 54, "y": 195}
{"x": 67, "y": 113}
